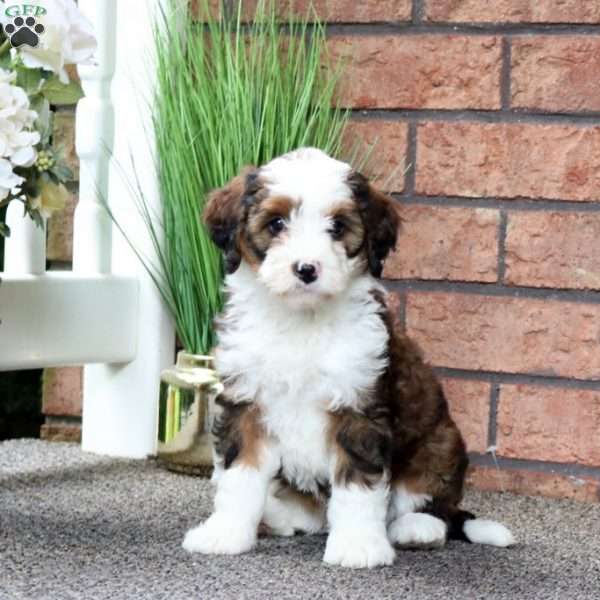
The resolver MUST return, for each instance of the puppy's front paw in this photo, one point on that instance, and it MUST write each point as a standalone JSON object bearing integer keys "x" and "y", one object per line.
{"x": 220, "y": 534}
{"x": 358, "y": 549}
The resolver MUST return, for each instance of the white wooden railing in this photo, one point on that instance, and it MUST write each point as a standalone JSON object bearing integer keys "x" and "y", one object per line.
{"x": 105, "y": 314}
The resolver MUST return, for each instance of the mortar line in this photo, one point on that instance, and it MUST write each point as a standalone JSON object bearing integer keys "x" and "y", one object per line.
{"x": 228, "y": 7}
{"x": 62, "y": 419}
{"x": 505, "y": 74}
{"x": 502, "y": 246}
{"x": 417, "y": 12}
{"x": 496, "y": 290}
{"x": 506, "y": 204}
{"x": 542, "y": 466}
{"x": 402, "y": 311}
{"x": 486, "y": 116}
{"x": 419, "y": 27}
{"x": 411, "y": 159}
{"x": 408, "y": 28}
{"x": 498, "y": 378}
{"x": 492, "y": 422}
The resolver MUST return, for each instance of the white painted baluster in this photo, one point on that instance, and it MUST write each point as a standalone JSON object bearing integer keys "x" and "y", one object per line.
{"x": 120, "y": 401}
{"x": 94, "y": 142}
{"x": 25, "y": 249}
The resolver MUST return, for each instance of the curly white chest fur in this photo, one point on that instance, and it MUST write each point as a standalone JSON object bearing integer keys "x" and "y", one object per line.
{"x": 298, "y": 366}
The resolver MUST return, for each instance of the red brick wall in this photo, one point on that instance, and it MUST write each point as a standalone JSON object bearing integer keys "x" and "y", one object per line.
{"x": 493, "y": 109}
{"x": 61, "y": 389}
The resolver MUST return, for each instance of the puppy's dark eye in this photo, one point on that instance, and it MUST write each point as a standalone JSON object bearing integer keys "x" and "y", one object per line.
{"x": 337, "y": 229}
{"x": 276, "y": 225}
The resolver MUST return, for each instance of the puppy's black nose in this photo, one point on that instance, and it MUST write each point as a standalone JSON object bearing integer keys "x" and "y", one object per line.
{"x": 306, "y": 272}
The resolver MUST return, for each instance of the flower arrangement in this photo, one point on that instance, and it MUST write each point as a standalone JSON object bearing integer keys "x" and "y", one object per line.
{"x": 38, "y": 41}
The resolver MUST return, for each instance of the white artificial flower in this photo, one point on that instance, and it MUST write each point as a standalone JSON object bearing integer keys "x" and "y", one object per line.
{"x": 9, "y": 181}
{"x": 7, "y": 76}
{"x": 68, "y": 37}
{"x": 16, "y": 140}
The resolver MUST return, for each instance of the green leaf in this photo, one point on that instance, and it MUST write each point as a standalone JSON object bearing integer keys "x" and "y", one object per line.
{"x": 5, "y": 61}
{"x": 60, "y": 93}
{"x": 62, "y": 172}
{"x": 44, "y": 121}
{"x": 4, "y": 230}
{"x": 37, "y": 218}
{"x": 29, "y": 79}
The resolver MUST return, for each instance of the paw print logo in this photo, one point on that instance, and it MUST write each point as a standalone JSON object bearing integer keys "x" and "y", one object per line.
{"x": 24, "y": 32}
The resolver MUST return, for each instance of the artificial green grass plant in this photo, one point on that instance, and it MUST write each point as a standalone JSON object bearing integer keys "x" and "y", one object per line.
{"x": 229, "y": 94}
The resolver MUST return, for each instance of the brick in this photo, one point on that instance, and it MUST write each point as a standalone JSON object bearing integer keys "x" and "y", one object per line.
{"x": 61, "y": 391}
{"x": 508, "y": 160}
{"x": 418, "y": 71}
{"x": 61, "y": 433}
{"x": 504, "y": 334}
{"x": 459, "y": 244}
{"x": 556, "y": 73}
{"x": 342, "y": 11}
{"x": 60, "y": 232}
{"x": 534, "y": 483}
{"x": 513, "y": 11}
{"x": 202, "y": 10}
{"x": 385, "y": 144}
{"x": 550, "y": 424}
{"x": 469, "y": 403}
{"x": 557, "y": 250}
{"x": 64, "y": 139}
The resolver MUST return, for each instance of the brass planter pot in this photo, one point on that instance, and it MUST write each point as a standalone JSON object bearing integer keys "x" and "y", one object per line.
{"x": 185, "y": 414}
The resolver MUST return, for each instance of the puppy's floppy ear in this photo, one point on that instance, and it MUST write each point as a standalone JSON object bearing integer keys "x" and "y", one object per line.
{"x": 380, "y": 219}
{"x": 223, "y": 214}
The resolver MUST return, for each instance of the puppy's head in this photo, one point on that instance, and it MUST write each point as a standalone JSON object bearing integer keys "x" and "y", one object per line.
{"x": 305, "y": 223}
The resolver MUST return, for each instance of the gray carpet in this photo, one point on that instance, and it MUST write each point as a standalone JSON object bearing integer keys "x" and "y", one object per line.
{"x": 80, "y": 526}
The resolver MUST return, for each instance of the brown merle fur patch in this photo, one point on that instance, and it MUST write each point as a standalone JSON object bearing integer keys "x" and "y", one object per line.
{"x": 224, "y": 212}
{"x": 239, "y": 433}
{"x": 256, "y": 235}
{"x": 353, "y": 232}
{"x": 380, "y": 220}
{"x": 237, "y": 216}
{"x": 361, "y": 445}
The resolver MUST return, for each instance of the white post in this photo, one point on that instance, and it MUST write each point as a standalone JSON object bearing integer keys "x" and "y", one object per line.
{"x": 25, "y": 249}
{"x": 120, "y": 401}
{"x": 94, "y": 142}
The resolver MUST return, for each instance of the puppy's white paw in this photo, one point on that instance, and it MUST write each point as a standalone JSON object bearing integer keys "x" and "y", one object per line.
{"x": 358, "y": 549}
{"x": 418, "y": 530}
{"x": 220, "y": 534}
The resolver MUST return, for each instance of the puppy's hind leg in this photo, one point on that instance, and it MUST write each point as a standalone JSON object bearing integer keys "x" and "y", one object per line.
{"x": 288, "y": 511}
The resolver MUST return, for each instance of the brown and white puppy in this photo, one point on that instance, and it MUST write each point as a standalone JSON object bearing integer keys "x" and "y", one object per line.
{"x": 330, "y": 416}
